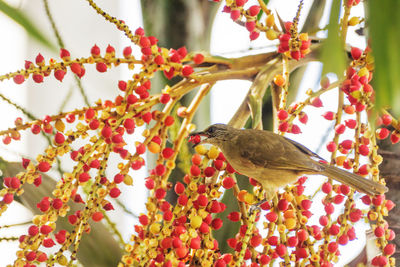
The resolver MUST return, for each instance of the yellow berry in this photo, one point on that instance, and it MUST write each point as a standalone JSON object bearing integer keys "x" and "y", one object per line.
{"x": 196, "y": 221}
{"x": 271, "y": 34}
{"x": 213, "y": 153}
{"x": 128, "y": 180}
{"x": 62, "y": 260}
{"x": 155, "y": 228}
{"x": 303, "y": 36}
{"x": 200, "y": 149}
{"x": 249, "y": 198}
{"x": 290, "y": 223}
{"x": 354, "y": 21}
{"x": 270, "y": 20}
{"x": 363, "y": 72}
{"x": 356, "y": 94}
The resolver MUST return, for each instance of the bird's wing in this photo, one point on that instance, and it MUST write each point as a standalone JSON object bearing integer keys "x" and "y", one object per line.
{"x": 304, "y": 149}
{"x": 269, "y": 150}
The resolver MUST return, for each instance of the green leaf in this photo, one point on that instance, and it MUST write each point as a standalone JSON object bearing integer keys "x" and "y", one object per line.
{"x": 261, "y": 11}
{"x": 20, "y": 18}
{"x": 384, "y": 25}
{"x": 332, "y": 54}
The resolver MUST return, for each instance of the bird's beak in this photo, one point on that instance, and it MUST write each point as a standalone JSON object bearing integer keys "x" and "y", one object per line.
{"x": 200, "y": 134}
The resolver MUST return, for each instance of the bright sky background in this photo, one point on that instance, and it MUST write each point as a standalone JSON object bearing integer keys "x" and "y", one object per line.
{"x": 228, "y": 39}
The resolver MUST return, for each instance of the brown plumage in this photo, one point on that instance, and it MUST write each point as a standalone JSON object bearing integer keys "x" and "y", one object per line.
{"x": 275, "y": 161}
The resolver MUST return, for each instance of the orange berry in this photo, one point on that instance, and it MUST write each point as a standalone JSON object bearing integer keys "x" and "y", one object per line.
{"x": 279, "y": 80}
{"x": 241, "y": 195}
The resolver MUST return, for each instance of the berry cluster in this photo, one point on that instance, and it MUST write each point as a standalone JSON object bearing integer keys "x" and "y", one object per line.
{"x": 179, "y": 234}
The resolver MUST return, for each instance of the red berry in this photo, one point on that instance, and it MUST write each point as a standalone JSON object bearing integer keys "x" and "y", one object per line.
{"x": 101, "y": 67}
{"x": 292, "y": 241}
{"x": 347, "y": 144}
{"x": 97, "y": 216}
{"x": 296, "y": 55}
{"x": 33, "y": 230}
{"x": 254, "y": 35}
{"x": 217, "y": 224}
{"x": 35, "y": 129}
{"x": 356, "y": 53}
{"x": 283, "y": 126}
{"x": 160, "y": 169}
{"x": 209, "y": 171}
{"x": 18, "y": 79}
{"x": 228, "y": 182}
{"x": 44, "y": 166}
{"x": 234, "y": 216}
{"x": 382, "y": 133}
{"x": 389, "y": 249}
{"x": 164, "y": 98}
{"x": 127, "y": 51}
{"x": 202, "y": 200}
{"x": 195, "y": 170}
{"x": 254, "y": 10}
{"x": 84, "y": 177}
{"x": 378, "y": 200}
{"x": 282, "y": 114}
{"x": 350, "y": 123}
{"x": 281, "y": 250}
{"x": 306, "y": 204}
{"x": 30, "y": 256}
{"x": 302, "y": 235}
{"x": 343, "y": 240}
{"x": 235, "y": 14}
{"x": 159, "y": 60}
{"x": 38, "y": 78}
{"x": 139, "y": 31}
{"x": 340, "y": 128}
{"x": 331, "y": 146}
{"x": 187, "y": 70}
{"x": 106, "y": 132}
{"x": 316, "y": 102}
{"x": 250, "y": 25}
{"x": 64, "y": 54}
{"x": 160, "y": 193}
{"x": 379, "y": 231}
{"x": 39, "y": 60}
{"x": 59, "y": 75}
{"x": 329, "y": 208}
{"x": 59, "y": 138}
{"x": 386, "y": 119}
{"x": 198, "y": 58}
{"x": 57, "y": 203}
{"x": 76, "y": 68}
{"x": 332, "y": 247}
{"x": 114, "y": 192}
{"x": 182, "y": 51}
{"x": 15, "y": 183}
{"x": 283, "y": 204}
{"x": 355, "y": 215}
{"x": 95, "y": 51}
{"x": 46, "y": 229}
{"x": 303, "y": 118}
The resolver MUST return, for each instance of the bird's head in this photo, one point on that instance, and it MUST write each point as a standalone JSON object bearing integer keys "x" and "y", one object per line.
{"x": 215, "y": 134}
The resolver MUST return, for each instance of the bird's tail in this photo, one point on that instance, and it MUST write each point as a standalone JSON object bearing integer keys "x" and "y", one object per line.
{"x": 358, "y": 182}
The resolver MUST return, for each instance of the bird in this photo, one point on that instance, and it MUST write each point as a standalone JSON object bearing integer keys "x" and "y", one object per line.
{"x": 275, "y": 161}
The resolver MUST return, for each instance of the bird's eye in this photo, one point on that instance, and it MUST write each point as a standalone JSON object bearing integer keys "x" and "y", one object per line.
{"x": 211, "y": 130}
